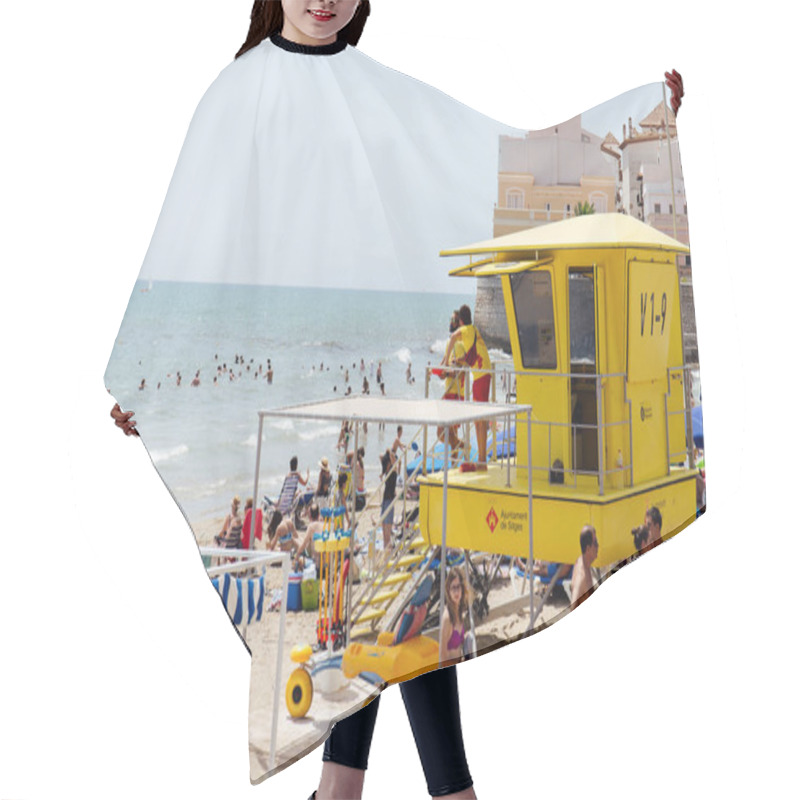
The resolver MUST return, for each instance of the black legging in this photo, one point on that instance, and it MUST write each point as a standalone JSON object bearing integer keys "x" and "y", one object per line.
{"x": 432, "y": 707}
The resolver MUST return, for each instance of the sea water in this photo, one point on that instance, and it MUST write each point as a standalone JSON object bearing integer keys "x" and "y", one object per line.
{"x": 203, "y": 438}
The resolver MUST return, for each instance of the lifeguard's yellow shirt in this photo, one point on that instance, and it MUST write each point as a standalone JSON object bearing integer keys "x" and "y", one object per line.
{"x": 476, "y": 354}
{"x": 455, "y": 382}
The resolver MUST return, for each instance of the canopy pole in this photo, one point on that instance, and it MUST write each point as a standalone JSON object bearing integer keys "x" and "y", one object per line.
{"x": 467, "y": 428}
{"x": 508, "y": 449}
{"x": 687, "y": 402}
{"x": 425, "y": 427}
{"x": 443, "y": 559}
{"x": 255, "y": 484}
{"x": 276, "y": 698}
{"x": 352, "y": 535}
{"x": 405, "y": 478}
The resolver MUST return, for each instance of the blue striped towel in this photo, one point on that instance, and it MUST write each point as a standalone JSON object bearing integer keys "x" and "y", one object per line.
{"x": 240, "y": 593}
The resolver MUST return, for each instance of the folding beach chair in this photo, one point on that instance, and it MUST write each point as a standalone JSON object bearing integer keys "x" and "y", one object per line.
{"x": 482, "y": 570}
{"x": 288, "y": 502}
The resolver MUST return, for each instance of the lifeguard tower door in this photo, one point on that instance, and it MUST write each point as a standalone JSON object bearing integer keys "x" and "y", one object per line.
{"x": 583, "y": 368}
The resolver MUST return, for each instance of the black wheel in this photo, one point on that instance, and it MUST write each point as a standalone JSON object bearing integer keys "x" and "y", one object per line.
{"x": 299, "y": 693}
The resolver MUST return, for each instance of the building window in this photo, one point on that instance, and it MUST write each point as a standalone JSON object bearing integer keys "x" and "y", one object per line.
{"x": 599, "y": 201}
{"x": 658, "y": 208}
{"x": 515, "y": 198}
{"x": 670, "y": 208}
{"x": 567, "y": 210}
{"x": 547, "y": 210}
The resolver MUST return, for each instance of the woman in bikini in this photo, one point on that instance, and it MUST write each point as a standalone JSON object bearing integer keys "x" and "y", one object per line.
{"x": 451, "y": 642}
{"x": 231, "y": 534}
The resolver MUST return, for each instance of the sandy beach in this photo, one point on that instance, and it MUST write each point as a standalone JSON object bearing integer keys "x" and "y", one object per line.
{"x": 507, "y": 620}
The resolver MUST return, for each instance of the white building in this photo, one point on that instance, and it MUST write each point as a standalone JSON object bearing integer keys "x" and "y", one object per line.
{"x": 652, "y": 187}
{"x": 545, "y": 174}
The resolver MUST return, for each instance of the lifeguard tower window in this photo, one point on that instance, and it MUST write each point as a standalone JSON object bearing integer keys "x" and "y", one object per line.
{"x": 582, "y": 346}
{"x": 583, "y": 362}
{"x": 533, "y": 307}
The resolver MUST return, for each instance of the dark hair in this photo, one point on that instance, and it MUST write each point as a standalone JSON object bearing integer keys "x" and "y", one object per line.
{"x": 313, "y": 511}
{"x": 276, "y": 520}
{"x": 465, "y": 315}
{"x": 293, "y": 463}
{"x": 654, "y": 515}
{"x": 463, "y": 606}
{"x": 588, "y": 534}
{"x": 266, "y": 19}
{"x": 455, "y": 323}
{"x": 386, "y": 460}
{"x": 342, "y": 480}
{"x": 640, "y": 535}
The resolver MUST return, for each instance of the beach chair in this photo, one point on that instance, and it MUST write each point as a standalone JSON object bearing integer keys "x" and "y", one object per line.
{"x": 482, "y": 570}
{"x": 546, "y": 582}
{"x": 288, "y": 502}
{"x": 400, "y": 652}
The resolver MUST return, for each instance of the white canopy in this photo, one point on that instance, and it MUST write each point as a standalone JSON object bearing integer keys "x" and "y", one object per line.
{"x": 386, "y": 409}
{"x": 413, "y": 412}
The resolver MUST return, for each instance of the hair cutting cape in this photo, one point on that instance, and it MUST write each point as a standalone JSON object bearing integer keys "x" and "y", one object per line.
{"x": 344, "y": 250}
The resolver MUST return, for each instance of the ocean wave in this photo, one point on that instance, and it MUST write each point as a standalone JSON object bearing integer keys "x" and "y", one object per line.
{"x": 439, "y": 346}
{"x": 329, "y": 345}
{"x": 403, "y": 355}
{"x": 270, "y": 485}
{"x": 158, "y": 456}
{"x": 498, "y": 355}
{"x": 272, "y": 427}
{"x": 320, "y": 433}
{"x": 282, "y": 424}
{"x": 210, "y": 489}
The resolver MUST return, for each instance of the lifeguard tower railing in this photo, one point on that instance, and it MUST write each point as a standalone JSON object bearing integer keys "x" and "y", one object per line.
{"x": 504, "y": 384}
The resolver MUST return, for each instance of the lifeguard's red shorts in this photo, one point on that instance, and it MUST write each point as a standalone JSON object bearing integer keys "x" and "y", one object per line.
{"x": 480, "y": 389}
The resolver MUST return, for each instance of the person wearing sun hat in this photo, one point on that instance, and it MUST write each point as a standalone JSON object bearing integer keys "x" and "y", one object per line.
{"x": 324, "y": 481}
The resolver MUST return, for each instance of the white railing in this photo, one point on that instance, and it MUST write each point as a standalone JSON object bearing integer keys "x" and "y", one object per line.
{"x": 234, "y": 560}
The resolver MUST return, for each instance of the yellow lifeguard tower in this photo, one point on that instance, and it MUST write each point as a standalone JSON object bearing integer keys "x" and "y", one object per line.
{"x": 593, "y": 309}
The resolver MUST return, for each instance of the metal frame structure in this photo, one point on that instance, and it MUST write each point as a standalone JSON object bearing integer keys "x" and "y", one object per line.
{"x": 423, "y": 412}
{"x": 686, "y": 453}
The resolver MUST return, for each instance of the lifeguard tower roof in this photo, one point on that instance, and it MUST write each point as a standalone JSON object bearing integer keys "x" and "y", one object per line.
{"x": 588, "y": 231}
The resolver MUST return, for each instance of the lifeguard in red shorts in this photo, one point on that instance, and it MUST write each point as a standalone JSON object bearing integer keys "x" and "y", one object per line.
{"x": 476, "y": 356}
{"x": 455, "y": 380}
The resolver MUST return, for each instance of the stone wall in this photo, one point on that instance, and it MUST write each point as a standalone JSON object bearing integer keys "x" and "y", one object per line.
{"x": 490, "y": 314}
